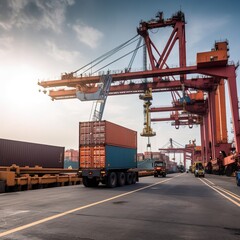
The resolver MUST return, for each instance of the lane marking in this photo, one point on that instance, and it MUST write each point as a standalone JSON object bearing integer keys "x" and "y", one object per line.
{"x": 209, "y": 181}
{"x": 228, "y": 192}
{"x": 218, "y": 191}
{"x": 17, "y": 229}
{"x": 224, "y": 190}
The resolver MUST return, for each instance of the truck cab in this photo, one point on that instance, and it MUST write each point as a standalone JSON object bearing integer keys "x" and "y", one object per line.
{"x": 199, "y": 170}
{"x": 159, "y": 168}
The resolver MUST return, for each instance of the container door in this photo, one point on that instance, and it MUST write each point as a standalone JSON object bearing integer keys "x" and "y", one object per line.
{"x": 99, "y": 157}
{"x": 86, "y": 157}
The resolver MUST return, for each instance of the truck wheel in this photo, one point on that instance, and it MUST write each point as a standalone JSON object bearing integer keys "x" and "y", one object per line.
{"x": 112, "y": 180}
{"x": 129, "y": 178}
{"x": 85, "y": 182}
{"x": 155, "y": 175}
{"x": 164, "y": 175}
{"x": 134, "y": 178}
{"x": 121, "y": 179}
{"x": 94, "y": 182}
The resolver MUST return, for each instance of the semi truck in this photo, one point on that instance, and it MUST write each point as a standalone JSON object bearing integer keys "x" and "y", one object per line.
{"x": 107, "y": 154}
{"x": 160, "y": 168}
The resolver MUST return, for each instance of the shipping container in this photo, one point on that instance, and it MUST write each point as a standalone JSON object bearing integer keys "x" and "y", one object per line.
{"x": 71, "y": 164}
{"x": 108, "y": 157}
{"x": 106, "y": 133}
{"x": 140, "y": 157}
{"x": 71, "y": 155}
{"x": 30, "y": 154}
{"x": 107, "y": 154}
{"x": 148, "y": 155}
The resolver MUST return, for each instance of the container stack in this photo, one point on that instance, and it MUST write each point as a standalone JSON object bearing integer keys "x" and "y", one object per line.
{"x": 103, "y": 144}
{"x": 71, "y": 159}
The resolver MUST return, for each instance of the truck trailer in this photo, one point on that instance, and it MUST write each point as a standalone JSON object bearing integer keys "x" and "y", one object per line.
{"x": 107, "y": 154}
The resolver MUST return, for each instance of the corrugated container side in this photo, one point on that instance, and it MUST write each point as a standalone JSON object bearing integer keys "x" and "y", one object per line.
{"x": 30, "y": 154}
{"x": 92, "y": 157}
{"x": 118, "y": 157}
{"x": 109, "y": 157}
{"x": 120, "y": 136}
{"x": 104, "y": 132}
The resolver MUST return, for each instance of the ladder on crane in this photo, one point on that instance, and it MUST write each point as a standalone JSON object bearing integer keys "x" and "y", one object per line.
{"x": 99, "y": 105}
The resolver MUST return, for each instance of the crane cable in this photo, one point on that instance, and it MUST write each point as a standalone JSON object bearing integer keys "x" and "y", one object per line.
{"x": 107, "y": 57}
{"x": 134, "y": 55}
{"x": 107, "y": 54}
{"x": 118, "y": 59}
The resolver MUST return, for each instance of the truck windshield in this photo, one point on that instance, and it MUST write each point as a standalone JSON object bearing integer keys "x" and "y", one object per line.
{"x": 199, "y": 166}
{"x": 159, "y": 164}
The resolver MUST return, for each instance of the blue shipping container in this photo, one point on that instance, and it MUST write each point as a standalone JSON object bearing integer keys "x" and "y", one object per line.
{"x": 120, "y": 158}
{"x": 71, "y": 164}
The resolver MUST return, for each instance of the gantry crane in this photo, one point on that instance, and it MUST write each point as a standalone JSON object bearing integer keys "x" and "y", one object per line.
{"x": 207, "y": 75}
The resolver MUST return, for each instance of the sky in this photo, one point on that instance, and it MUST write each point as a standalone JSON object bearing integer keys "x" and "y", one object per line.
{"x": 41, "y": 39}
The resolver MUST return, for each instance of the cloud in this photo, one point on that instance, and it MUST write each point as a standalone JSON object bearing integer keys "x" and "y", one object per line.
{"x": 33, "y": 13}
{"x": 60, "y": 54}
{"x": 88, "y": 35}
{"x": 6, "y": 44}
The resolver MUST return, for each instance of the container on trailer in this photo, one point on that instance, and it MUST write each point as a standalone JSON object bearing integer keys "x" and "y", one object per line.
{"x": 107, "y": 154}
{"x": 106, "y": 133}
{"x": 107, "y": 157}
{"x": 30, "y": 154}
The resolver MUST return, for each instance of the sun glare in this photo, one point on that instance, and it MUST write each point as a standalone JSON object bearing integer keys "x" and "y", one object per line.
{"x": 19, "y": 85}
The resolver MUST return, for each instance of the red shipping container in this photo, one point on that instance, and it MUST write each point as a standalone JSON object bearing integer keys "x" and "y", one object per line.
{"x": 106, "y": 133}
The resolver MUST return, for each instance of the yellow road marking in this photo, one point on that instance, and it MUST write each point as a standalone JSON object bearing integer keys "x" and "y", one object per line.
{"x": 79, "y": 208}
{"x": 209, "y": 181}
{"x": 218, "y": 191}
{"x": 224, "y": 190}
{"x": 228, "y": 192}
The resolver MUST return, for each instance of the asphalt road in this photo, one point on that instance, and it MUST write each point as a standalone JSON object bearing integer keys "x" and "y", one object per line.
{"x": 179, "y": 206}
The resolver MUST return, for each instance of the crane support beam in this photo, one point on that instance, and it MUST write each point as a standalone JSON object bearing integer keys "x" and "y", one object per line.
{"x": 171, "y": 118}
{"x": 136, "y": 88}
{"x": 176, "y": 149}
{"x": 220, "y": 72}
{"x": 199, "y": 108}
{"x": 74, "y": 81}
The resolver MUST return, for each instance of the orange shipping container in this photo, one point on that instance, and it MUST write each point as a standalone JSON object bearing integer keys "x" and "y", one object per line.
{"x": 92, "y": 157}
{"x": 106, "y": 133}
